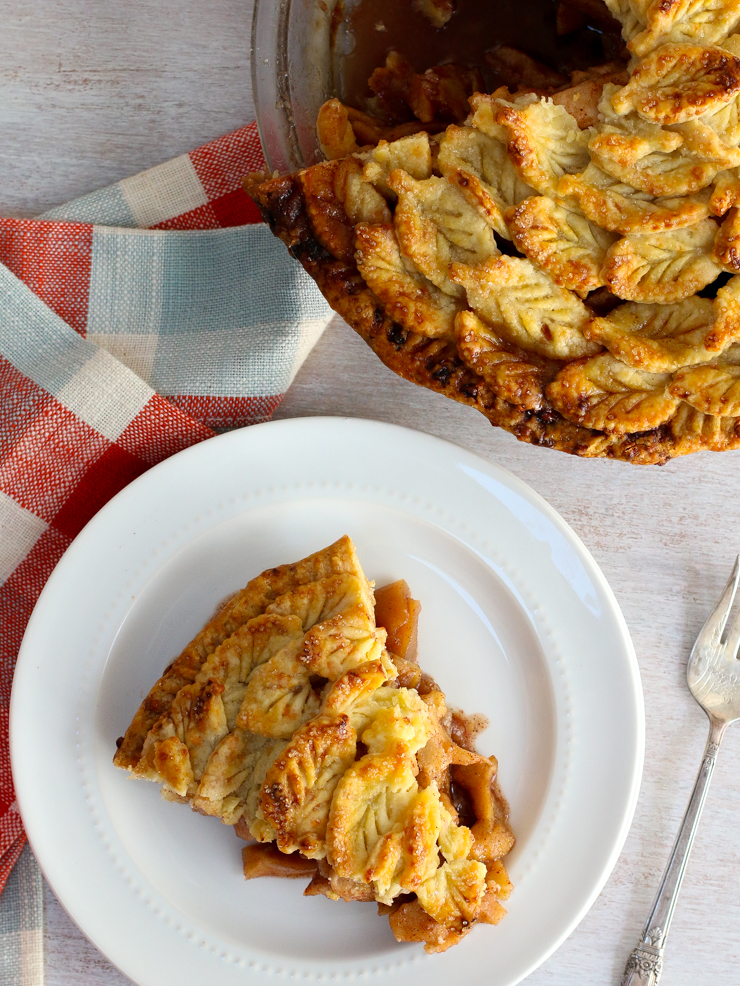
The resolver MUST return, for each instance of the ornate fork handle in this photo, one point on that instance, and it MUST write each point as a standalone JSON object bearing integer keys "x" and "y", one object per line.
{"x": 645, "y": 964}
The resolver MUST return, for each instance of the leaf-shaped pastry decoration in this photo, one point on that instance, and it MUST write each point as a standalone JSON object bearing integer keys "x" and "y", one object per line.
{"x": 437, "y": 223}
{"x": 726, "y": 192}
{"x": 726, "y": 327}
{"x": 657, "y": 338}
{"x": 677, "y": 82}
{"x": 330, "y": 223}
{"x": 231, "y": 782}
{"x": 663, "y": 268}
{"x": 370, "y": 800}
{"x": 606, "y": 394}
{"x": 483, "y": 163}
{"x": 705, "y": 22}
{"x": 614, "y": 205}
{"x": 298, "y": 788}
{"x": 483, "y": 154}
{"x": 526, "y": 307}
{"x": 453, "y": 896}
{"x": 631, "y": 14}
{"x": 332, "y": 648}
{"x": 335, "y": 133}
{"x": 411, "y": 154}
{"x": 726, "y": 251}
{"x": 198, "y": 720}
{"x": 713, "y": 388}
{"x": 362, "y": 203}
{"x": 654, "y": 160}
{"x": 228, "y": 776}
{"x": 358, "y": 693}
{"x": 693, "y": 430}
{"x": 561, "y": 241}
{"x": 325, "y": 598}
{"x": 409, "y": 298}
{"x": 543, "y": 140}
{"x": 512, "y": 374}
{"x": 724, "y": 122}
{"x": 278, "y": 696}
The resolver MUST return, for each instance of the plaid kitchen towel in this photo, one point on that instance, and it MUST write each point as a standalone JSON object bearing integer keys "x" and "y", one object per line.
{"x": 134, "y": 322}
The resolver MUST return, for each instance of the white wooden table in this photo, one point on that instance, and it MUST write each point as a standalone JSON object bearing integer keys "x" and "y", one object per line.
{"x": 92, "y": 91}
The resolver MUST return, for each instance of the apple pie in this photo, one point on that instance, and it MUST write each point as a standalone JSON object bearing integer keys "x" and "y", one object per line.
{"x": 301, "y": 720}
{"x": 563, "y": 256}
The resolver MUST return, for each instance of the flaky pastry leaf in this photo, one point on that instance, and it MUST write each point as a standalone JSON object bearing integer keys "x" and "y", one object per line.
{"x": 726, "y": 327}
{"x": 726, "y": 192}
{"x": 543, "y": 140}
{"x": 713, "y": 388}
{"x": 297, "y": 792}
{"x": 411, "y": 154}
{"x": 615, "y": 205}
{"x": 693, "y": 431}
{"x": 677, "y": 82}
{"x": 631, "y": 14}
{"x": 654, "y": 160}
{"x": 657, "y": 338}
{"x": 362, "y": 203}
{"x": 604, "y": 393}
{"x": 325, "y": 598}
{"x": 333, "y": 647}
{"x": 663, "y": 268}
{"x": 526, "y": 307}
{"x": 409, "y": 297}
{"x": 704, "y": 22}
{"x": 561, "y": 241}
{"x": 470, "y": 156}
{"x": 335, "y": 133}
{"x": 512, "y": 374}
{"x": 278, "y": 696}
{"x": 231, "y": 782}
{"x": 726, "y": 250}
{"x": 437, "y": 223}
{"x": 453, "y": 896}
{"x": 724, "y": 122}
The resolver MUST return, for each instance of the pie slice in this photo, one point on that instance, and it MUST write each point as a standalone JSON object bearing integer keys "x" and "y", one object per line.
{"x": 333, "y": 756}
{"x": 247, "y": 604}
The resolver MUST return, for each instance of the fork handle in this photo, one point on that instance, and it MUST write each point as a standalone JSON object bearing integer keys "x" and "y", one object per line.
{"x": 645, "y": 964}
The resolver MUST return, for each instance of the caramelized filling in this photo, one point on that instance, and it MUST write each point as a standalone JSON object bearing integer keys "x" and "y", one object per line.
{"x": 507, "y": 43}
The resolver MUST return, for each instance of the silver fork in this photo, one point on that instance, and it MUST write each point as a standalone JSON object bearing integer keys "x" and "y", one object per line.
{"x": 713, "y": 676}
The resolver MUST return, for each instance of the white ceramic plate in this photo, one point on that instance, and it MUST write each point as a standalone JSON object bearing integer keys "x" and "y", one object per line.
{"x": 517, "y": 622}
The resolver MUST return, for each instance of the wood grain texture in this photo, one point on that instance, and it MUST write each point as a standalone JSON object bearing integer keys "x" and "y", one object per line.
{"x": 92, "y": 92}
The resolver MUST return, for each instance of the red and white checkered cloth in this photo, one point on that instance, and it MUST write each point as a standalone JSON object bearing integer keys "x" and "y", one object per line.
{"x": 133, "y": 323}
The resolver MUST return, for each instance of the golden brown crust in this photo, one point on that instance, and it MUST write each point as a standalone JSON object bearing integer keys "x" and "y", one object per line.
{"x": 726, "y": 250}
{"x": 601, "y": 392}
{"x": 658, "y": 338}
{"x": 434, "y": 364}
{"x": 561, "y": 241}
{"x": 678, "y": 82}
{"x": 245, "y": 605}
{"x": 662, "y": 268}
{"x": 703, "y": 22}
{"x": 513, "y": 375}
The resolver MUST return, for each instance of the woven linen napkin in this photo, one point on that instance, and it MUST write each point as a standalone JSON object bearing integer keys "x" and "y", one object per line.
{"x": 134, "y": 322}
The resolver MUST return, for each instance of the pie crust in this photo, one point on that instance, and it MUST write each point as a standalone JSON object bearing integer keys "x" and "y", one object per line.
{"x": 566, "y": 260}
{"x": 336, "y": 758}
